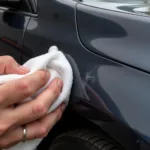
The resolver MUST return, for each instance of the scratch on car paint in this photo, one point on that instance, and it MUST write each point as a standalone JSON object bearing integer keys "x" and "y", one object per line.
{"x": 89, "y": 77}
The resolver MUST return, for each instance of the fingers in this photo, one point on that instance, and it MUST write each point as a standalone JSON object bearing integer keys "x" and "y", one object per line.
{"x": 47, "y": 98}
{"x": 11, "y": 138}
{"x": 10, "y": 66}
{"x": 37, "y": 129}
{"x": 16, "y": 91}
{"x": 41, "y": 128}
{"x": 38, "y": 107}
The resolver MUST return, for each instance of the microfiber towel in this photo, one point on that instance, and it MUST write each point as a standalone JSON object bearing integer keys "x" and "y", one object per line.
{"x": 56, "y": 63}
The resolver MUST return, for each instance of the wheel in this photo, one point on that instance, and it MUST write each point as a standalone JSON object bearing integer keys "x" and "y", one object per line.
{"x": 84, "y": 140}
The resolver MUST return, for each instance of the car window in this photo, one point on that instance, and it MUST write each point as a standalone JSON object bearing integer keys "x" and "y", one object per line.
{"x": 133, "y": 6}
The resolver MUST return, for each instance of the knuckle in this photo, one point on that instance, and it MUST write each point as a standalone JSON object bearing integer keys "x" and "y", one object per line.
{"x": 43, "y": 132}
{"x": 39, "y": 110}
{"x": 24, "y": 87}
{"x": 9, "y": 58}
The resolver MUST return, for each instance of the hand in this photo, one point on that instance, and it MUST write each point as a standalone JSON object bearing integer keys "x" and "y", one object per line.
{"x": 12, "y": 118}
{"x": 9, "y": 65}
{"x": 37, "y": 129}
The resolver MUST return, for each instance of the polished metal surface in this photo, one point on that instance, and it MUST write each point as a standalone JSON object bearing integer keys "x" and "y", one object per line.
{"x": 109, "y": 52}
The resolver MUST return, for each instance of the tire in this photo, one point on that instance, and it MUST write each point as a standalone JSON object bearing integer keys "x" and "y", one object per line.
{"x": 84, "y": 140}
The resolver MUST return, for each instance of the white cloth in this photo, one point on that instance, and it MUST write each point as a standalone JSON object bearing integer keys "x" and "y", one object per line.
{"x": 56, "y": 63}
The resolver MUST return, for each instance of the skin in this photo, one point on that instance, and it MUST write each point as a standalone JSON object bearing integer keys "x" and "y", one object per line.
{"x": 33, "y": 114}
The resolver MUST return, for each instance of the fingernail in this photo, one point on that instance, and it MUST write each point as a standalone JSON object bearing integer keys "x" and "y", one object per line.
{"x": 60, "y": 83}
{"x": 63, "y": 107}
{"x": 24, "y": 68}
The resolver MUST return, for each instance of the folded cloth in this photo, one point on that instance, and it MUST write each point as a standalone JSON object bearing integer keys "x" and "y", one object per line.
{"x": 56, "y": 63}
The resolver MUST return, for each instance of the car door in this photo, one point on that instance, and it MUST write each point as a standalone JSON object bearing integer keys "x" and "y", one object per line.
{"x": 120, "y": 32}
{"x": 14, "y": 17}
{"x": 109, "y": 86}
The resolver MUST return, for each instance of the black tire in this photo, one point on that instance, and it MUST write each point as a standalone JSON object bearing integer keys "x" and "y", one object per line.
{"x": 84, "y": 140}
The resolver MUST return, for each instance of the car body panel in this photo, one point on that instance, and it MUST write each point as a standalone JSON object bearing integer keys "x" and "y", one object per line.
{"x": 121, "y": 36}
{"x": 136, "y": 7}
{"x": 12, "y": 27}
{"x": 103, "y": 90}
{"x": 116, "y": 35}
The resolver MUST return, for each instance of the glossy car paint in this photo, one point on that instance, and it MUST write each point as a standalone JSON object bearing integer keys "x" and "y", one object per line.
{"x": 109, "y": 90}
{"x": 12, "y": 27}
{"x": 104, "y": 89}
{"x": 121, "y": 36}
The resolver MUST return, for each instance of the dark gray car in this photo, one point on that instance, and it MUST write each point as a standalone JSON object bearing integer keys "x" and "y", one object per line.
{"x": 107, "y": 43}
